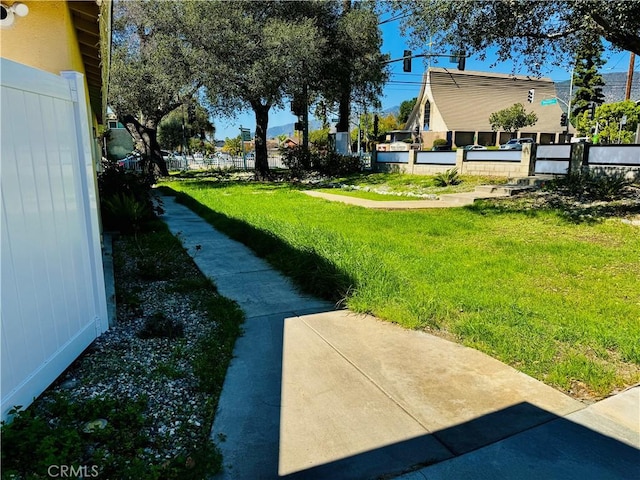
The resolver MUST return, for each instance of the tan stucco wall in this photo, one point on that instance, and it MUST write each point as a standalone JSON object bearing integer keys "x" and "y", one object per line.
{"x": 44, "y": 39}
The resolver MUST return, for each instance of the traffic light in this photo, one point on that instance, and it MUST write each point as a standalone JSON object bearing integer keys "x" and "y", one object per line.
{"x": 563, "y": 120}
{"x": 530, "y": 96}
{"x": 462, "y": 57}
{"x": 406, "y": 62}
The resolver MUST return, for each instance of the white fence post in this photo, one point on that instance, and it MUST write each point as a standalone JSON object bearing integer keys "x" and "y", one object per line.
{"x": 89, "y": 194}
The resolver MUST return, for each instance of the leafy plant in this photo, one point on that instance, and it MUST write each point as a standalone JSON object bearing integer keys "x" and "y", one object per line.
{"x": 126, "y": 201}
{"x": 608, "y": 186}
{"x": 596, "y": 185}
{"x": 446, "y": 178}
{"x": 330, "y": 163}
{"x": 126, "y": 213}
{"x": 159, "y": 326}
{"x": 30, "y": 443}
{"x": 512, "y": 119}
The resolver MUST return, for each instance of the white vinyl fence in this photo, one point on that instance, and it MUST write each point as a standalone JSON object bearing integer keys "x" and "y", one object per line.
{"x": 53, "y": 302}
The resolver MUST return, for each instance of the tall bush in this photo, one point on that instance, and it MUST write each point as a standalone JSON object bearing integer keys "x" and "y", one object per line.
{"x": 126, "y": 203}
{"x": 330, "y": 163}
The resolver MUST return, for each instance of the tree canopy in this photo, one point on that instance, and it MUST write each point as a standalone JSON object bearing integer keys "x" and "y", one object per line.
{"x": 512, "y": 119}
{"x": 587, "y": 80}
{"x": 152, "y": 70}
{"x": 244, "y": 55}
{"x": 354, "y": 69}
{"x": 186, "y": 122}
{"x": 253, "y": 54}
{"x": 522, "y": 30}
{"x": 406, "y": 108}
{"x": 609, "y": 121}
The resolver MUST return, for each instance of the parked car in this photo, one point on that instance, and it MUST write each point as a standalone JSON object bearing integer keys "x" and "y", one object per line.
{"x": 580, "y": 140}
{"x": 441, "y": 148}
{"x": 516, "y": 143}
{"x": 475, "y": 147}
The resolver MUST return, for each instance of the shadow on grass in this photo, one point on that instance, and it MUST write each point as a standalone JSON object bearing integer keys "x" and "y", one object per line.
{"x": 312, "y": 273}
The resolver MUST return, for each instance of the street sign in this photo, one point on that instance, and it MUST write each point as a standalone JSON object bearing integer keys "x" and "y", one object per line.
{"x": 549, "y": 101}
{"x": 246, "y": 135}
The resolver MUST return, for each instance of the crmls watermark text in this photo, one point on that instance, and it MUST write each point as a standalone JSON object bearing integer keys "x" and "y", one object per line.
{"x": 73, "y": 471}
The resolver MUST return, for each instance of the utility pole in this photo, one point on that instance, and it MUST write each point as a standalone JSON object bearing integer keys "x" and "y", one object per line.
{"x": 632, "y": 61}
{"x": 566, "y": 132}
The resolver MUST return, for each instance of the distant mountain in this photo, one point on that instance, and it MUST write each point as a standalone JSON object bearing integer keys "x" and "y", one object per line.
{"x": 289, "y": 129}
{"x": 614, "y": 88}
{"x": 395, "y": 110}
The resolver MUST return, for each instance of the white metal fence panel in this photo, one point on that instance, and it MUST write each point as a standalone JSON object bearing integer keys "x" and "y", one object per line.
{"x": 53, "y": 303}
{"x": 554, "y": 151}
{"x": 552, "y": 159}
{"x": 436, "y": 158}
{"x": 494, "y": 156}
{"x": 392, "y": 157}
{"x": 623, "y": 155}
{"x": 552, "y": 167}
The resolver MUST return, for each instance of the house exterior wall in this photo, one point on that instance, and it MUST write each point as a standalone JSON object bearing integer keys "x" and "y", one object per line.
{"x": 44, "y": 39}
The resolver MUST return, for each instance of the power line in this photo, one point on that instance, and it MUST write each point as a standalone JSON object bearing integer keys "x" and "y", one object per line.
{"x": 400, "y": 16}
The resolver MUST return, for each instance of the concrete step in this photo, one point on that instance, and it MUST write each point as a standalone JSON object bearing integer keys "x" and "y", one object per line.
{"x": 532, "y": 181}
{"x": 507, "y": 190}
{"x": 466, "y": 198}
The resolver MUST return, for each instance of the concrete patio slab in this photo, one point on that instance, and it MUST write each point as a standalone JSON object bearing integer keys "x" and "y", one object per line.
{"x": 331, "y": 411}
{"x": 560, "y": 449}
{"x": 314, "y": 393}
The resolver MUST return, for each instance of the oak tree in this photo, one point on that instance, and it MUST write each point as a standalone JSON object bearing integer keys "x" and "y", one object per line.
{"x": 535, "y": 33}
{"x": 152, "y": 71}
{"x": 512, "y": 119}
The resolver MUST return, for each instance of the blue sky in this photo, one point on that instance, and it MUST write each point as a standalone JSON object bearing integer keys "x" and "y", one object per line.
{"x": 404, "y": 86}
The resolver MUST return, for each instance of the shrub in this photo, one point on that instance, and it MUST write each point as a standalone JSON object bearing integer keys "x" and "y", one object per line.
{"x": 440, "y": 142}
{"x": 125, "y": 213}
{"x": 332, "y": 163}
{"x": 608, "y": 186}
{"x": 597, "y": 185}
{"x": 296, "y": 159}
{"x": 126, "y": 203}
{"x": 159, "y": 326}
{"x": 299, "y": 161}
{"x": 449, "y": 177}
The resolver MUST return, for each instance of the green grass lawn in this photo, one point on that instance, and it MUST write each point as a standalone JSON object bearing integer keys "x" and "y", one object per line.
{"x": 394, "y": 183}
{"x": 560, "y": 301}
{"x": 367, "y": 195}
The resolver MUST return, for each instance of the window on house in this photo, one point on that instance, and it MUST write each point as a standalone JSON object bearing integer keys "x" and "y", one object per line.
{"x": 113, "y": 124}
{"x": 427, "y": 115}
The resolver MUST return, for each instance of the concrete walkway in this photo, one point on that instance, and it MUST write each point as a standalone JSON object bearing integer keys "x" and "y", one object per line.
{"x": 314, "y": 392}
{"x": 447, "y": 200}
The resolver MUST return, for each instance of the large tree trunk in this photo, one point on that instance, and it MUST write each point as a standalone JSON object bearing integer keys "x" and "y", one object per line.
{"x": 344, "y": 108}
{"x": 148, "y": 135}
{"x": 262, "y": 122}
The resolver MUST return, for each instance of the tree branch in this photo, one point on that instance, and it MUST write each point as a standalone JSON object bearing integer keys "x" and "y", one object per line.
{"x": 622, "y": 39}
